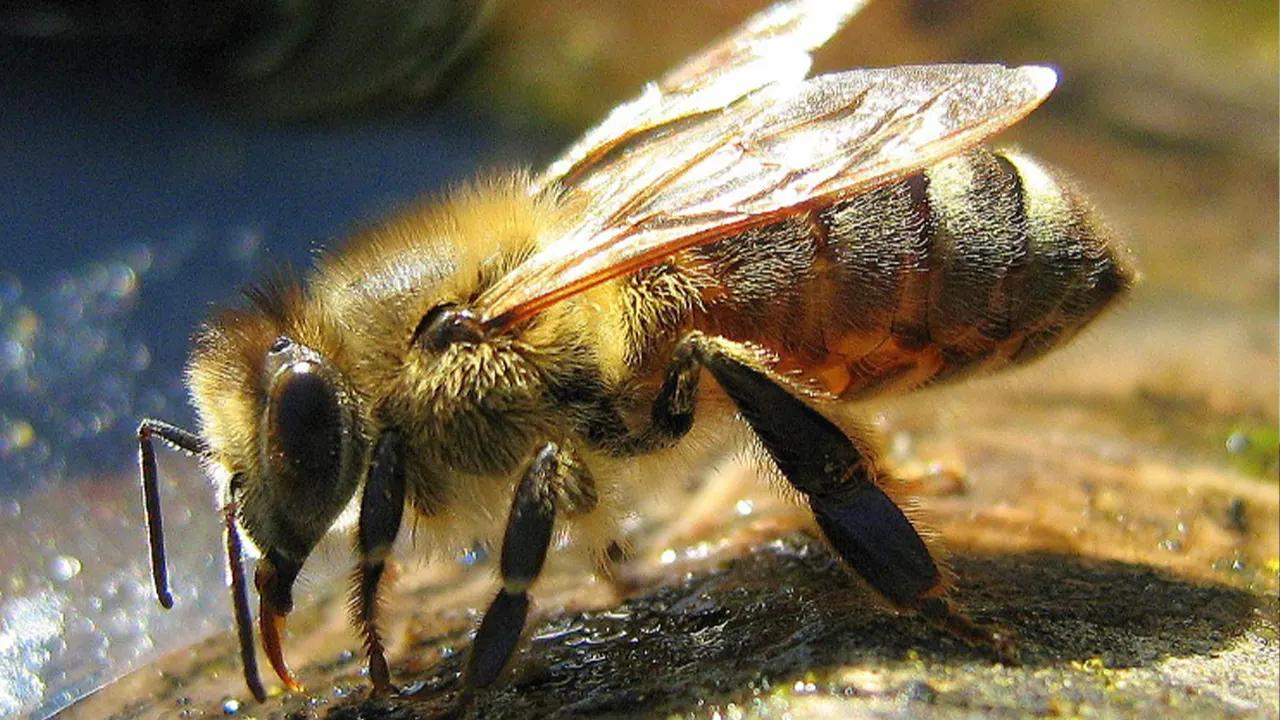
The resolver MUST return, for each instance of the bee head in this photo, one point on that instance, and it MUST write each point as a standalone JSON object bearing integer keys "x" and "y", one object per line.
{"x": 282, "y": 423}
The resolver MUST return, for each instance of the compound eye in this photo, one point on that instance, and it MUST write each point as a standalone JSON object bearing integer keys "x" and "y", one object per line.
{"x": 306, "y": 425}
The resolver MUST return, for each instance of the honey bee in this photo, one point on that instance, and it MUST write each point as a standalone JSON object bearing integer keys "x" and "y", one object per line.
{"x": 508, "y": 361}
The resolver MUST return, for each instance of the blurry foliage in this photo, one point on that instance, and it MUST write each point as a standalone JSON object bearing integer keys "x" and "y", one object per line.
{"x": 1153, "y": 69}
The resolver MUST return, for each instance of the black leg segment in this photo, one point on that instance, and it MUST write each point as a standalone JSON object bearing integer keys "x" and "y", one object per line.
{"x": 861, "y": 522}
{"x": 672, "y": 414}
{"x": 240, "y": 604}
{"x": 670, "y": 417}
{"x": 497, "y": 637}
{"x": 185, "y": 441}
{"x": 381, "y": 509}
{"x": 524, "y": 549}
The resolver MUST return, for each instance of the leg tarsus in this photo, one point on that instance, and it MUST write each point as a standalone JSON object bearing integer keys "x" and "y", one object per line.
{"x": 497, "y": 637}
{"x": 240, "y": 604}
{"x": 368, "y": 582}
{"x": 872, "y": 534}
{"x": 1000, "y": 642}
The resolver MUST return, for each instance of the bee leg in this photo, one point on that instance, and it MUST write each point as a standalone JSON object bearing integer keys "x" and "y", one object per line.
{"x": 381, "y": 508}
{"x": 524, "y": 548}
{"x": 186, "y": 441}
{"x": 860, "y": 521}
{"x": 672, "y": 413}
{"x": 670, "y": 416}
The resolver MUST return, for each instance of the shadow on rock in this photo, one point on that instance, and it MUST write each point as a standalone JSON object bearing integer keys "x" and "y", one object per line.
{"x": 788, "y": 609}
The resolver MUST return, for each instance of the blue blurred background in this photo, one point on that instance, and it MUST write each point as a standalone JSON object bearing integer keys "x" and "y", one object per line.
{"x": 128, "y": 207}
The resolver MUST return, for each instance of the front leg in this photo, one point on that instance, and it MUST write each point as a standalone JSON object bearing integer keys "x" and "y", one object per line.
{"x": 381, "y": 509}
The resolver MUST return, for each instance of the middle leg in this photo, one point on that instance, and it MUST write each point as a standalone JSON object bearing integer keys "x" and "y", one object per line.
{"x": 381, "y": 510}
{"x": 554, "y": 480}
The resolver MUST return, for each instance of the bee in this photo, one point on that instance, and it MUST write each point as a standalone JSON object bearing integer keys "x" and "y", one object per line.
{"x": 738, "y": 243}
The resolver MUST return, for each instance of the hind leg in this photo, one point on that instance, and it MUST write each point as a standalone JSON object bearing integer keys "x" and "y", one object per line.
{"x": 838, "y": 479}
{"x": 836, "y": 476}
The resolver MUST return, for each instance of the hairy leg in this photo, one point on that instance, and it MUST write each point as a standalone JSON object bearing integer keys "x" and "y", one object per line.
{"x": 836, "y": 476}
{"x": 381, "y": 509}
{"x": 553, "y": 481}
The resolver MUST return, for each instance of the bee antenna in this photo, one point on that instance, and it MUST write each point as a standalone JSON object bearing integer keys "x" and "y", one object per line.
{"x": 185, "y": 441}
{"x": 240, "y": 604}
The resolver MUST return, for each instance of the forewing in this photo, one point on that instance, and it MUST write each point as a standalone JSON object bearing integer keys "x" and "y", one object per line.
{"x": 771, "y": 47}
{"x": 782, "y": 148}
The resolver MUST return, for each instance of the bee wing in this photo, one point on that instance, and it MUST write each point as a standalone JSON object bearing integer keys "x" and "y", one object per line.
{"x": 772, "y": 47}
{"x": 775, "y": 151}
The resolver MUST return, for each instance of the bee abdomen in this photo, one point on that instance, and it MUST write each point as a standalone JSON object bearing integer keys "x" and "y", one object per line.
{"x": 983, "y": 260}
{"x": 1074, "y": 268}
{"x": 997, "y": 261}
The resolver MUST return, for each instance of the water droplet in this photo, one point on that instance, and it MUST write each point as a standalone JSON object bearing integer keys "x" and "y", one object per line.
{"x": 474, "y": 555}
{"x": 140, "y": 259}
{"x": 64, "y": 567}
{"x": 698, "y": 552}
{"x": 900, "y": 445}
{"x": 230, "y": 706}
{"x": 744, "y": 507}
{"x": 121, "y": 281}
{"x": 668, "y": 556}
{"x": 140, "y": 358}
{"x": 82, "y": 626}
{"x": 25, "y": 326}
{"x": 15, "y": 435}
{"x": 1237, "y": 443}
{"x": 14, "y": 355}
{"x": 804, "y": 688}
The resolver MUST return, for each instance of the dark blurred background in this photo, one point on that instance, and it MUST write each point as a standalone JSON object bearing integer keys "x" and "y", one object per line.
{"x": 152, "y": 161}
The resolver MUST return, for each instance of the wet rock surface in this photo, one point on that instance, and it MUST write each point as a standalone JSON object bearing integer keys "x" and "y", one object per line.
{"x": 1139, "y": 573}
{"x": 785, "y": 626}
{"x": 783, "y": 631}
